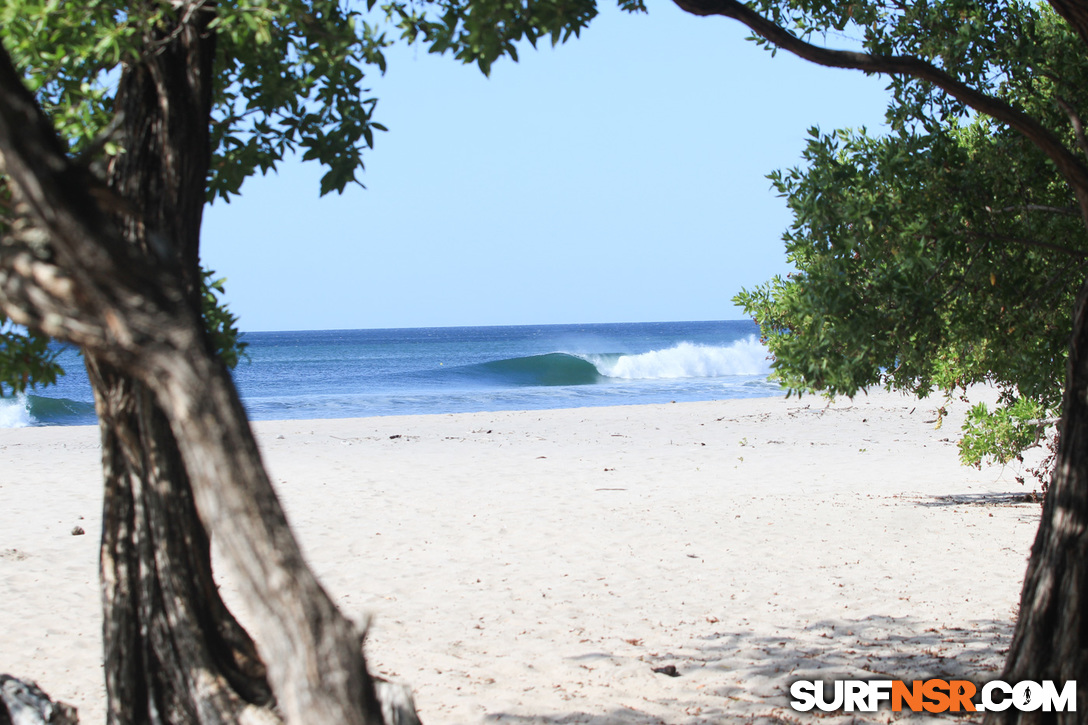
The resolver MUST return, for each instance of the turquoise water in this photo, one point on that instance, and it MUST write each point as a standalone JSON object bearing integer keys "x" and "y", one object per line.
{"x": 354, "y": 373}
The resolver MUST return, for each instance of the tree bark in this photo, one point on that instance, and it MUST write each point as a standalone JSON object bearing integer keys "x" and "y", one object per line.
{"x": 1050, "y": 642}
{"x": 67, "y": 270}
{"x": 1075, "y": 12}
{"x": 173, "y": 652}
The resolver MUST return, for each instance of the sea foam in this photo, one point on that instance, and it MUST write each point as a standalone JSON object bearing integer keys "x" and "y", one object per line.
{"x": 14, "y": 412}
{"x": 687, "y": 360}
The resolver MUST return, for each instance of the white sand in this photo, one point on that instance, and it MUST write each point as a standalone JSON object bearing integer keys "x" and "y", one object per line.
{"x": 535, "y": 566}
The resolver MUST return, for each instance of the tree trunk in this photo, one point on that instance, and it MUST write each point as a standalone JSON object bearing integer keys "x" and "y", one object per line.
{"x": 173, "y": 652}
{"x": 1050, "y": 641}
{"x": 68, "y": 271}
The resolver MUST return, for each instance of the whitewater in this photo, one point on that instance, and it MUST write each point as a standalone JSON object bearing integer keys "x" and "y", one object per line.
{"x": 359, "y": 373}
{"x": 687, "y": 360}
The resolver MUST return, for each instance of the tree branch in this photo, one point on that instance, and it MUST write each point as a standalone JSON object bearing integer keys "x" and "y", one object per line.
{"x": 1066, "y": 211}
{"x": 1024, "y": 242}
{"x": 1069, "y": 165}
{"x": 1075, "y": 13}
{"x": 1078, "y": 125}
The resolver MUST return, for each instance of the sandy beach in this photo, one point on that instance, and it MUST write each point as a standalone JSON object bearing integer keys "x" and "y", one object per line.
{"x": 534, "y": 567}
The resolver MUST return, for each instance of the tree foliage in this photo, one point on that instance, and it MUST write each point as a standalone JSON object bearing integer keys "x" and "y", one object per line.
{"x": 291, "y": 79}
{"x": 482, "y": 31}
{"x": 291, "y": 76}
{"x": 26, "y": 359}
{"x": 945, "y": 253}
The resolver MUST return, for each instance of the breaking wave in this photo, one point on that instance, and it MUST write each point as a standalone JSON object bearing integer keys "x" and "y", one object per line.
{"x": 25, "y": 410}
{"x": 685, "y": 360}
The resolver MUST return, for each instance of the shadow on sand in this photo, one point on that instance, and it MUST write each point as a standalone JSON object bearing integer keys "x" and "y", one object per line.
{"x": 1026, "y": 499}
{"x": 735, "y": 677}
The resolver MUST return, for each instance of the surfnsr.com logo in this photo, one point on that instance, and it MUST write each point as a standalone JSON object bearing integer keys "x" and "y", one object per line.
{"x": 933, "y": 696}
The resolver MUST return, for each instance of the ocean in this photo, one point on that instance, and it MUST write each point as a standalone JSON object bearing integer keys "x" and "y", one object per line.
{"x": 357, "y": 373}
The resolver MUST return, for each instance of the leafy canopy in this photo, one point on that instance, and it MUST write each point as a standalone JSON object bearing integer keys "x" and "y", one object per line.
{"x": 291, "y": 79}
{"x": 947, "y": 252}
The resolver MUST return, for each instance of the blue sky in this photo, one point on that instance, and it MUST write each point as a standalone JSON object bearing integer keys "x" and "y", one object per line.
{"x": 617, "y": 178}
